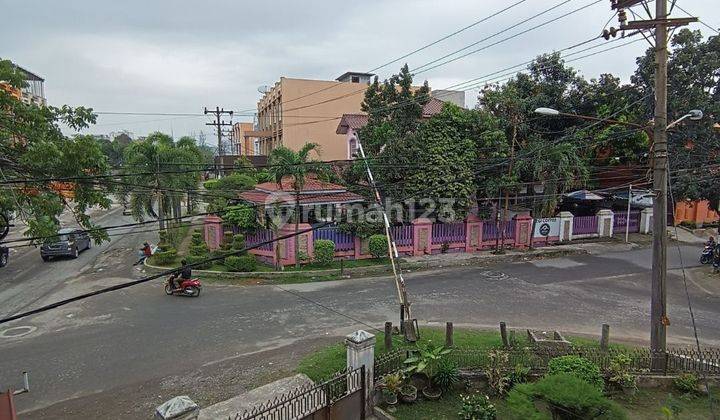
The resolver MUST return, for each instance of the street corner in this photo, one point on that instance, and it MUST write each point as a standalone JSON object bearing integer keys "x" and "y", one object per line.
{"x": 704, "y": 279}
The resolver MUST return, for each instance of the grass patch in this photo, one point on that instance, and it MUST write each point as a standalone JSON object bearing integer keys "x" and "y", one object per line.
{"x": 319, "y": 365}
{"x": 645, "y": 405}
{"x": 335, "y": 265}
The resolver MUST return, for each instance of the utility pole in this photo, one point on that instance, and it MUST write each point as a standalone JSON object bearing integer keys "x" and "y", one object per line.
{"x": 219, "y": 123}
{"x": 659, "y": 320}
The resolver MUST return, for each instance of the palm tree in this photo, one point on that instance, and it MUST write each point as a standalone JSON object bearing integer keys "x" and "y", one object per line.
{"x": 297, "y": 165}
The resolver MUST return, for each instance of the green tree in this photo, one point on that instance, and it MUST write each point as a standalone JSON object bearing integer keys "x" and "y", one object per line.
{"x": 284, "y": 162}
{"x": 34, "y": 150}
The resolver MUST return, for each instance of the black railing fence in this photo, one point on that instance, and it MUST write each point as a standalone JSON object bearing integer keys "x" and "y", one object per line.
{"x": 673, "y": 361}
{"x": 306, "y": 401}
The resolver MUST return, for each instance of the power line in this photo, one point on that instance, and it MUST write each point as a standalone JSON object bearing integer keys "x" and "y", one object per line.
{"x": 701, "y": 22}
{"x": 448, "y": 36}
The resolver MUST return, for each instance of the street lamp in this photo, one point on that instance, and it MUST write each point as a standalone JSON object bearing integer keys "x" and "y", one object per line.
{"x": 693, "y": 114}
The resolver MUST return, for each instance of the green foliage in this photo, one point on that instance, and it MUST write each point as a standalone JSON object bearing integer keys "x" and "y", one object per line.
{"x": 477, "y": 407}
{"x": 238, "y": 242}
{"x": 519, "y": 375}
{"x": 242, "y": 215}
{"x": 197, "y": 238}
{"x": 243, "y": 263}
{"x": 228, "y": 188}
{"x": 620, "y": 371}
{"x": 392, "y": 382}
{"x": 361, "y": 228}
{"x": 198, "y": 247}
{"x": 579, "y": 367}
{"x": 565, "y": 394}
{"x": 426, "y": 360}
{"x": 324, "y": 251}
{"x": 165, "y": 257}
{"x": 194, "y": 259}
{"x": 498, "y": 381}
{"x": 446, "y": 375}
{"x": 672, "y": 408}
{"x": 686, "y": 383}
{"x": 378, "y": 246}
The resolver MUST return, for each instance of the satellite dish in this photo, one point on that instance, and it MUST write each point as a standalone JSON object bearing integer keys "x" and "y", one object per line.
{"x": 263, "y": 89}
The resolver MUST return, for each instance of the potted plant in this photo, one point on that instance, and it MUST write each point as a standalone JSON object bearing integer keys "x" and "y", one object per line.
{"x": 391, "y": 386}
{"x": 426, "y": 362}
{"x": 408, "y": 393}
{"x": 620, "y": 374}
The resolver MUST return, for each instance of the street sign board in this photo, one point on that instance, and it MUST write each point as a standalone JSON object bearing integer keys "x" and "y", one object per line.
{"x": 547, "y": 227}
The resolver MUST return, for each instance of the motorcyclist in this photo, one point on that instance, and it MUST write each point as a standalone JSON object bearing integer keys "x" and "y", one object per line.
{"x": 185, "y": 274}
{"x": 146, "y": 251}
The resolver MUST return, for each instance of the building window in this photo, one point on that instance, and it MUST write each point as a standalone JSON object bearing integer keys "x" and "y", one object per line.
{"x": 355, "y": 79}
{"x": 256, "y": 147}
{"x": 352, "y": 148}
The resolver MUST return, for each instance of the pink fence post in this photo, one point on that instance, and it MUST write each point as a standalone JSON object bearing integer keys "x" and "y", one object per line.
{"x": 523, "y": 234}
{"x": 422, "y": 236}
{"x": 473, "y": 233}
{"x": 213, "y": 232}
{"x": 287, "y": 245}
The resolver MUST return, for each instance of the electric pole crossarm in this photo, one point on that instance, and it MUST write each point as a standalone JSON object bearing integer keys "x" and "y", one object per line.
{"x": 652, "y": 24}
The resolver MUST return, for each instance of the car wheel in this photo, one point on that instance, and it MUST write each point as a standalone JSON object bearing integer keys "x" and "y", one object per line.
{"x": 45, "y": 258}
{"x": 75, "y": 253}
{"x": 3, "y": 260}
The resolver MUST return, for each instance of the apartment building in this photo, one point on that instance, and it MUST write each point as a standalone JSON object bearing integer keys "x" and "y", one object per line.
{"x": 243, "y": 141}
{"x": 33, "y": 93}
{"x": 294, "y": 112}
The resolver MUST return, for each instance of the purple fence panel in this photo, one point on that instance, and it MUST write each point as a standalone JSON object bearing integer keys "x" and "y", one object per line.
{"x": 260, "y": 235}
{"x": 585, "y": 225}
{"x": 490, "y": 230}
{"x": 448, "y": 232}
{"x": 343, "y": 241}
{"x": 402, "y": 235}
{"x": 620, "y": 221}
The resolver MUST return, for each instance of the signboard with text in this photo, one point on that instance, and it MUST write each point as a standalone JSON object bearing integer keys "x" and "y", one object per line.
{"x": 549, "y": 227}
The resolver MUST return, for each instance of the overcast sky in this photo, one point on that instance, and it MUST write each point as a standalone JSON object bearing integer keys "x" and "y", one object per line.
{"x": 179, "y": 56}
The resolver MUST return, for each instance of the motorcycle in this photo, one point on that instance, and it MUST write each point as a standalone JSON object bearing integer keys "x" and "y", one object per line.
{"x": 188, "y": 287}
{"x": 706, "y": 257}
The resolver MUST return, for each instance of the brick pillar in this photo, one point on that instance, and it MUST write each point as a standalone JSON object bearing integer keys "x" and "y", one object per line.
{"x": 287, "y": 246}
{"x": 213, "y": 232}
{"x": 523, "y": 231}
{"x": 566, "y": 226}
{"x": 422, "y": 236}
{"x": 605, "y": 223}
{"x": 473, "y": 233}
{"x": 361, "y": 352}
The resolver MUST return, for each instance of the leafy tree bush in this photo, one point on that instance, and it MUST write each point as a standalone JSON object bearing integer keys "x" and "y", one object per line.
{"x": 686, "y": 383}
{"x": 446, "y": 375}
{"x": 198, "y": 248}
{"x": 192, "y": 259}
{"x": 165, "y": 257}
{"x": 477, "y": 407}
{"x": 579, "y": 367}
{"x": 378, "y": 246}
{"x": 566, "y": 396}
{"x": 324, "y": 251}
{"x": 243, "y": 263}
{"x": 242, "y": 216}
{"x": 238, "y": 242}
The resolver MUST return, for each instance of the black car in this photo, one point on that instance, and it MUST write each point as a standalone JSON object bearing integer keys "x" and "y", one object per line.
{"x": 68, "y": 242}
{"x": 4, "y": 252}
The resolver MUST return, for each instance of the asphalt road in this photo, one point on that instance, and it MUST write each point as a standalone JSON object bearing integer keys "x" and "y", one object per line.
{"x": 113, "y": 343}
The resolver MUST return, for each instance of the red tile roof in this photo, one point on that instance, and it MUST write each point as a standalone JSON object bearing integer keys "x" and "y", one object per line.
{"x": 311, "y": 184}
{"x": 314, "y": 192}
{"x": 351, "y": 121}
{"x": 357, "y": 121}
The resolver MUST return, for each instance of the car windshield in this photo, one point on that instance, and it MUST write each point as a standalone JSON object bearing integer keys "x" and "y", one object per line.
{"x": 57, "y": 238}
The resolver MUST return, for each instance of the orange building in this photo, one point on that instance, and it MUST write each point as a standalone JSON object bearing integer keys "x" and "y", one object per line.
{"x": 243, "y": 141}
{"x": 698, "y": 212}
{"x": 298, "y": 111}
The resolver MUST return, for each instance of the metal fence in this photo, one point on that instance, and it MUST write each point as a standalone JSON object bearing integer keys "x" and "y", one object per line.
{"x": 674, "y": 361}
{"x": 585, "y": 225}
{"x": 490, "y": 230}
{"x": 402, "y": 235}
{"x": 260, "y": 235}
{"x": 448, "y": 232}
{"x": 343, "y": 241}
{"x": 342, "y": 396}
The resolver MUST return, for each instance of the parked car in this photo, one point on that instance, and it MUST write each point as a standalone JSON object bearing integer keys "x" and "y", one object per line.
{"x": 68, "y": 242}
{"x": 126, "y": 211}
{"x": 4, "y": 253}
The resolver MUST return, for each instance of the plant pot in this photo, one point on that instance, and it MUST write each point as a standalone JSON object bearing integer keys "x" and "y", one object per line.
{"x": 390, "y": 399}
{"x": 419, "y": 380}
{"x": 408, "y": 394}
{"x": 431, "y": 393}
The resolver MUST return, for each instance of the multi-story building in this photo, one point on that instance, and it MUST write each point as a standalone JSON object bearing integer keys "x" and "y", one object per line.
{"x": 243, "y": 140}
{"x": 298, "y": 111}
{"x": 33, "y": 93}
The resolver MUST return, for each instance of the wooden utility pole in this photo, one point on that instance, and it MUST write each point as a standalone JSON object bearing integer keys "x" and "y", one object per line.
{"x": 503, "y": 223}
{"x": 658, "y": 305}
{"x": 219, "y": 124}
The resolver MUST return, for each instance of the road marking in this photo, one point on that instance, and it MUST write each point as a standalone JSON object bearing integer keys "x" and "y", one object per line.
{"x": 15, "y": 332}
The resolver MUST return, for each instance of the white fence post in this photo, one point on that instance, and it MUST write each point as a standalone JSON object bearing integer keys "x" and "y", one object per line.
{"x": 605, "y": 223}
{"x": 646, "y": 221}
{"x": 566, "y": 226}
{"x": 361, "y": 352}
